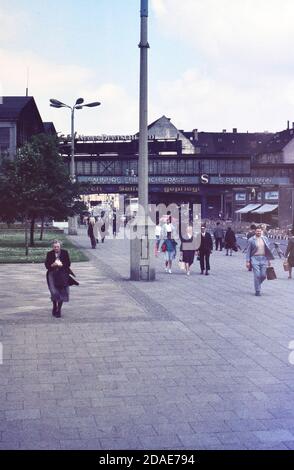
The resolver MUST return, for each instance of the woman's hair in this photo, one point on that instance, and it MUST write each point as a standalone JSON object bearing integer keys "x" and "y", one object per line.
{"x": 56, "y": 241}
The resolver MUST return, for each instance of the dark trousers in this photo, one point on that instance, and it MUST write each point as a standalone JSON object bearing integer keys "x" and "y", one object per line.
{"x": 93, "y": 241}
{"x": 204, "y": 260}
{"x": 219, "y": 243}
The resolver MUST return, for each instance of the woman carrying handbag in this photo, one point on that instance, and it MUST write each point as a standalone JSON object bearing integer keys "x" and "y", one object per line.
{"x": 289, "y": 255}
{"x": 58, "y": 276}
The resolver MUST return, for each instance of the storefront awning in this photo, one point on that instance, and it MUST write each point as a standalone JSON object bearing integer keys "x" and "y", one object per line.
{"x": 248, "y": 208}
{"x": 266, "y": 208}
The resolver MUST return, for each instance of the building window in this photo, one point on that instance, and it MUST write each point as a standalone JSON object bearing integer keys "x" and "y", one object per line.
{"x": 4, "y": 139}
{"x": 87, "y": 168}
{"x": 241, "y": 197}
{"x": 80, "y": 168}
{"x": 271, "y": 195}
{"x": 94, "y": 168}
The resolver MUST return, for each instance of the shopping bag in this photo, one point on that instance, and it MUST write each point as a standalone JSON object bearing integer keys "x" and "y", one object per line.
{"x": 286, "y": 265}
{"x": 182, "y": 265}
{"x": 270, "y": 273}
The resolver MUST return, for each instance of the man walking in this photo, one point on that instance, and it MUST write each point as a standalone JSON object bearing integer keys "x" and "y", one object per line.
{"x": 258, "y": 256}
{"x": 205, "y": 248}
{"x": 218, "y": 236}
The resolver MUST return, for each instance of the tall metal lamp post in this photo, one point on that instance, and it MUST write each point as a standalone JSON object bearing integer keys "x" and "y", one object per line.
{"x": 79, "y": 104}
{"x": 141, "y": 262}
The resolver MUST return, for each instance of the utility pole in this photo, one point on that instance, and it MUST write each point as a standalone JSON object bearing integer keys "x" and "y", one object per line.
{"x": 143, "y": 118}
{"x": 141, "y": 262}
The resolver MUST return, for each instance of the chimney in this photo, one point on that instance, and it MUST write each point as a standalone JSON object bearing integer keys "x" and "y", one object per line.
{"x": 195, "y": 134}
{"x": 288, "y": 125}
{"x": 292, "y": 125}
{"x": 224, "y": 131}
{"x": 235, "y": 130}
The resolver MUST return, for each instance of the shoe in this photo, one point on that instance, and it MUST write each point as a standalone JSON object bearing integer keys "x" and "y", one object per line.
{"x": 258, "y": 294}
{"x": 54, "y": 310}
{"x": 201, "y": 272}
{"x": 169, "y": 271}
{"x": 206, "y": 273}
{"x": 166, "y": 270}
{"x": 58, "y": 315}
{"x": 188, "y": 273}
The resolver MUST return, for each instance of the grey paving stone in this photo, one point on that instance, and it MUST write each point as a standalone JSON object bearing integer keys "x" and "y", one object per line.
{"x": 277, "y": 435}
{"x": 147, "y": 369}
{"x": 22, "y": 414}
{"x": 79, "y": 444}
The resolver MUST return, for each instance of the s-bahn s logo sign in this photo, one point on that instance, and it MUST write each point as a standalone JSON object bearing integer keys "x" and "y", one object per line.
{"x": 204, "y": 179}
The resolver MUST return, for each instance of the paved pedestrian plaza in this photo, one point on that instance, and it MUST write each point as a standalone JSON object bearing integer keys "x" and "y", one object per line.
{"x": 193, "y": 362}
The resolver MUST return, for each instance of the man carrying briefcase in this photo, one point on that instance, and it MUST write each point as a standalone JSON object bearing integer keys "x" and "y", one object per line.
{"x": 258, "y": 256}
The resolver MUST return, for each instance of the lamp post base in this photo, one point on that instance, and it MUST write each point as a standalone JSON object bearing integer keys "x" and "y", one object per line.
{"x": 142, "y": 251}
{"x": 73, "y": 225}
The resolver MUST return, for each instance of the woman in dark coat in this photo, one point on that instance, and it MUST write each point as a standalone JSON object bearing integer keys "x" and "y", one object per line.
{"x": 58, "y": 270}
{"x": 188, "y": 247}
{"x": 290, "y": 253}
{"x": 230, "y": 241}
{"x": 91, "y": 233}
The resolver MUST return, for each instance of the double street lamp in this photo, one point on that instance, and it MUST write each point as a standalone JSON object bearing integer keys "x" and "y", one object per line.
{"x": 79, "y": 104}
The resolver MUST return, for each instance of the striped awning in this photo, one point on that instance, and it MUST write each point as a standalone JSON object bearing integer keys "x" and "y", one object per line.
{"x": 265, "y": 208}
{"x": 248, "y": 208}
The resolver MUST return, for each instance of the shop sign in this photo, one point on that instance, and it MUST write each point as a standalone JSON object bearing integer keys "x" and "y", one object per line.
{"x": 271, "y": 195}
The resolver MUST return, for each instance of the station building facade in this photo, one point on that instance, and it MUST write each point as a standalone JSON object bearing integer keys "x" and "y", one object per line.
{"x": 233, "y": 175}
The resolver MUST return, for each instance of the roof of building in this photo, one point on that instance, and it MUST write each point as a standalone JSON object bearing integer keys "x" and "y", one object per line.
{"x": 278, "y": 141}
{"x": 229, "y": 142}
{"x": 211, "y": 143}
{"x": 12, "y": 106}
{"x": 49, "y": 128}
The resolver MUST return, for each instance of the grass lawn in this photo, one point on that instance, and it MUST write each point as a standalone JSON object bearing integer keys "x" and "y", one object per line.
{"x": 12, "y": 247}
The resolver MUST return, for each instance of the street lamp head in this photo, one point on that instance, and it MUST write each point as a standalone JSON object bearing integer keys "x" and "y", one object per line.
{"x": 92, "y": 105}
{"x": 78, "y": 107}
{"x": 80, "y": 101}
{"x": 56, "y": 102}
{"x": 57, "y": 105}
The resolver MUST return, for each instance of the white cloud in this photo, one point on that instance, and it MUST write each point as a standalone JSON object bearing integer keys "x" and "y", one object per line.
{"x": 241, "y": 67}
{"x": 196, "y": 100}
{"x": 12, "y": 25}
{"x": 117, "y": 114}
{"x": 118, "y": 111}
{"x": 257, "y": 31}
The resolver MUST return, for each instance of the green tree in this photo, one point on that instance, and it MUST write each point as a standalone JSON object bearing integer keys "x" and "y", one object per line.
{"x": 36, "y": 185}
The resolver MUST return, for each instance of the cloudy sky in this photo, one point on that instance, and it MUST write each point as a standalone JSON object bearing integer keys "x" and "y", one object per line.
{"x": 213, "y": 64}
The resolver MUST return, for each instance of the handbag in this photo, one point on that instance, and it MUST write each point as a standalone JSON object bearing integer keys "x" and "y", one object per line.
{"x": 181, "y": 265}
{"x": 270, "y": 273}
{"x": 60, "y": 278}
{"x": 72, "y": 281}
{"x": 286, "y": 265}
{"x": 163, "y": 247}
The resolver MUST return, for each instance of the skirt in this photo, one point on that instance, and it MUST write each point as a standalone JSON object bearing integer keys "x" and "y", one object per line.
{"x": 58, "y": 294}
{"x": 188, "y": 256}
